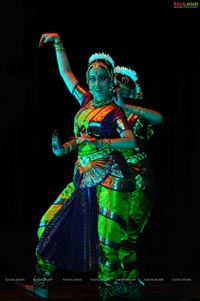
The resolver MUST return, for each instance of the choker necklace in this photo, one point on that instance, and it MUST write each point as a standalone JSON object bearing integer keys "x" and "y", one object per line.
{"x": 100, "y": 103}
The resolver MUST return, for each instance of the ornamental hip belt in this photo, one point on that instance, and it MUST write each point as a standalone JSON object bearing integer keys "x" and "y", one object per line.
{"x": 136, "y": 158}
{"x": 85, "y": 159}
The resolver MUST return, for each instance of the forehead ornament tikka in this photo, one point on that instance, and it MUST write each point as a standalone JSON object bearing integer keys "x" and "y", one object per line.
{"x": 95, "y": 65}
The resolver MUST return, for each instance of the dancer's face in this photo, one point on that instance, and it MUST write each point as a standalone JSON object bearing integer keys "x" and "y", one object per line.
{"x": 99, "y": 82}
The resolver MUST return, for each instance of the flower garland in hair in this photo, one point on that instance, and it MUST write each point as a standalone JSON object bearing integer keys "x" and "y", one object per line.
{"x": 130, "y": 73}
{"x": 101, "y": 56}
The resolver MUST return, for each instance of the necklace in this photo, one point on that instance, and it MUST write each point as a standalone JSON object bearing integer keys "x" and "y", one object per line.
{"x": 101, "y": 103}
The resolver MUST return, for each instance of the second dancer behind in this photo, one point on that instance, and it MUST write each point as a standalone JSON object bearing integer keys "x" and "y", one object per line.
{"x": 143, "y": 122}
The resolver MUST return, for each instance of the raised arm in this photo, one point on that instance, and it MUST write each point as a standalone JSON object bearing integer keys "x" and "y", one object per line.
{"x": 62, "y": 58}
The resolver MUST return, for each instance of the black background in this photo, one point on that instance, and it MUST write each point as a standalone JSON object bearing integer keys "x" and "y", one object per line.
{"x": 161, "y": 43}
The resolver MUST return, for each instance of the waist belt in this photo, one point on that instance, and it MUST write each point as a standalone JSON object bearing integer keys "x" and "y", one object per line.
{"x": 136, "y": 158}
{"x": 85, "y": 159}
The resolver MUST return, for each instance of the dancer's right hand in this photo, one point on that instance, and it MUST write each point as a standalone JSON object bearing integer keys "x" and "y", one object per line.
{"x": 57, "y": 148}
{"x": 49, "y": 37}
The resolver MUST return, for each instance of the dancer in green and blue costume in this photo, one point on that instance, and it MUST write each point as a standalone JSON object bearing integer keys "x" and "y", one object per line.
{"x": 143, "y": 121}
{"x": 83, "y": 229}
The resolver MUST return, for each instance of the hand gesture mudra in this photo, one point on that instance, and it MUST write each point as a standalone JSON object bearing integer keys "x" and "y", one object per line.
{"x": 57, "y": 148}
{"x": 49, "y": 37}
{"x": 118, "y": 99}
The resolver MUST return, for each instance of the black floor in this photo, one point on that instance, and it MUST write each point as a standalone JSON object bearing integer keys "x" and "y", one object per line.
{"x": 16, "y": 258}
{"x": 76, "y": 290}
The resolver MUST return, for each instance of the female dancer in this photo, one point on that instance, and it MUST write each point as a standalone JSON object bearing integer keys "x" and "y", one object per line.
{"x": 142, "y": 120}
{"x": 94, "y": 207}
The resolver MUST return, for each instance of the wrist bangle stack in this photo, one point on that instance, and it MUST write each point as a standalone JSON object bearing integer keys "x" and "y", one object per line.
{"x": 67, "y": 148}
{"x": 59, "y": 46}
{"x": 140, "y": 111}
{"x": 106, "y": 143}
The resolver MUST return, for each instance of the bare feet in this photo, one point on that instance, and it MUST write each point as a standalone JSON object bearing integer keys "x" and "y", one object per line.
{"x": 33, "y": 291}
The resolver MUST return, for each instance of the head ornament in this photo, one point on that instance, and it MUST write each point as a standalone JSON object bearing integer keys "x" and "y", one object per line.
{"x": 105, "y": 61}
{"x": 131, "y": 74}
{"x": 101, "y": 56}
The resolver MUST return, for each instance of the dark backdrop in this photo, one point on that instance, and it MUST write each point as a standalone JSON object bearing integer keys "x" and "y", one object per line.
{"x": 161, "y": 43}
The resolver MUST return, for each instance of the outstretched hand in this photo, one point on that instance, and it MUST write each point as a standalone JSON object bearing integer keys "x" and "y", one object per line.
{"x": 83, "y": 138}
{"x": 57, "y": 148}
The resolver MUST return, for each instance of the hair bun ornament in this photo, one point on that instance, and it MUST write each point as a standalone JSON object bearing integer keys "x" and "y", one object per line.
{"x": 101, "y": 56}
{"x": 126, "y": 71}
{"x": 130, "y": 73}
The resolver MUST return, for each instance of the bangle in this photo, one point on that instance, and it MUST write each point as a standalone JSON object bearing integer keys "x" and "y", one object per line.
{"x": 106, "y": 143}
{"x": 67, "y": 148}
{"x": 57, "y": 43}
{"x": 59, "y": 46}
{"x": 140, "y": 111}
